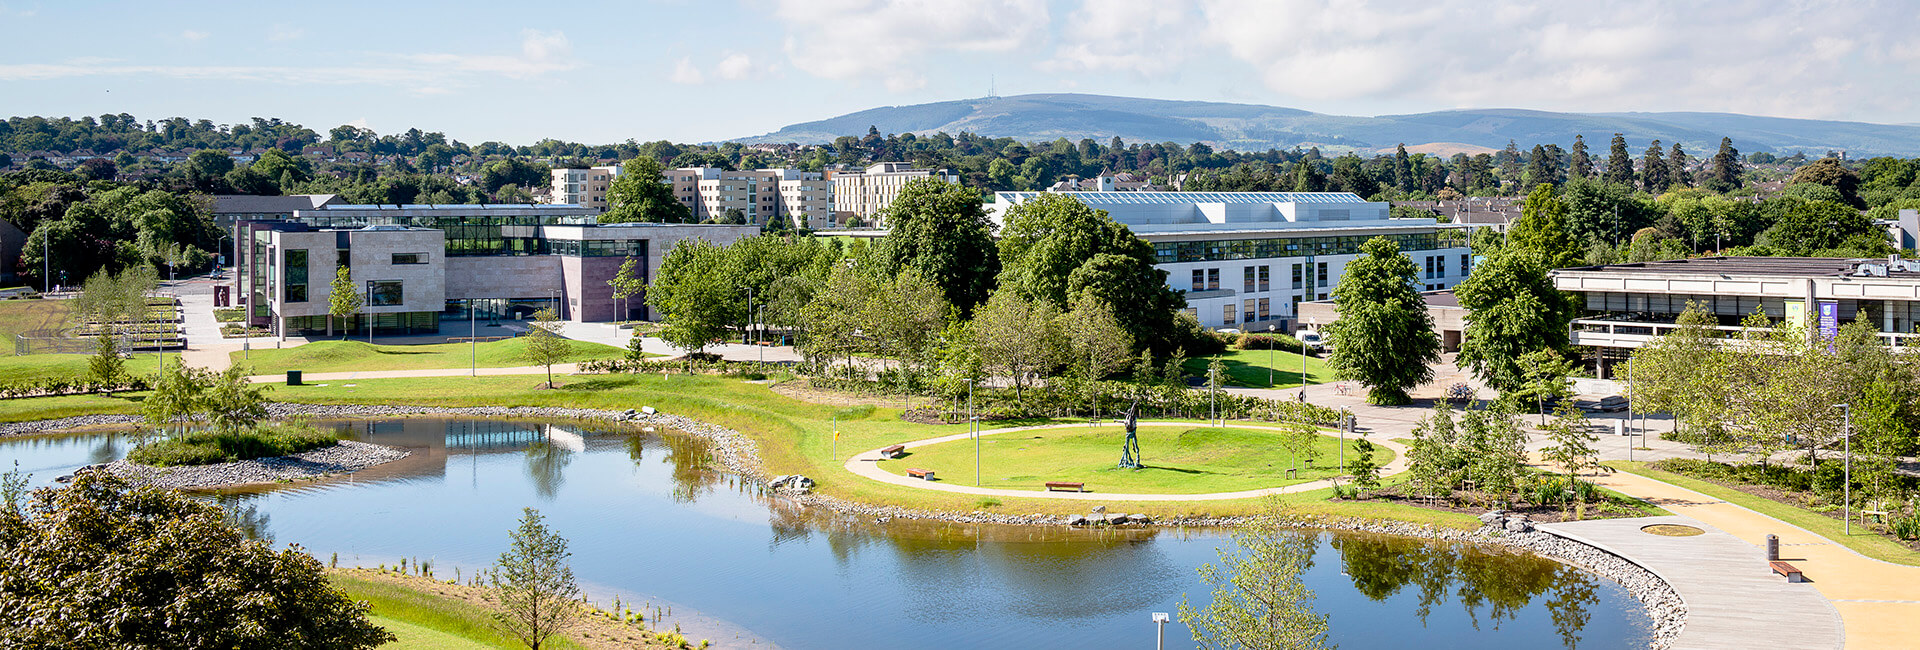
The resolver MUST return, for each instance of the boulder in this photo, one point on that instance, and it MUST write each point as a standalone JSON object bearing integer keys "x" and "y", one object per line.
{"x": 791, "y": 482}
{"x": 1099, "y": 509}
{"x": 1519, "y": 525}
{"x": 1076, "y": 520}
{"x": 647, "y": 410}
{"x": 1139, "y": 519}
{"x": 1116, "y": 519}
{"x": 1492, "y": 516}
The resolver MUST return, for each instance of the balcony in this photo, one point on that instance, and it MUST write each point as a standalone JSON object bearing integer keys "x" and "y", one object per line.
{"x": 1632, "y": 334}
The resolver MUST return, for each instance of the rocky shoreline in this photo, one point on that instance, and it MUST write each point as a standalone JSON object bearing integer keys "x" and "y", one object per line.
{"x": 737, "y": 453}
{"x": 346, "y": 457}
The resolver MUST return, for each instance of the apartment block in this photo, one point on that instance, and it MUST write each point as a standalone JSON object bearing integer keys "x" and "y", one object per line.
{"x": 864, "y": 193}
{"x": 759, "y": 194}
{"x": 584, "y": 187}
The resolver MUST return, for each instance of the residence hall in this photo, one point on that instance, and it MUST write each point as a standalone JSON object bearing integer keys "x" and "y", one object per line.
{"x": 1246, "y": 260}
{"x": 415, "y": 266}
{"x": 1623, "y": 306}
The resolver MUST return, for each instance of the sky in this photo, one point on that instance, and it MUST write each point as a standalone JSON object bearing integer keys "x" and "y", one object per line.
{"x": 695, "y": 71}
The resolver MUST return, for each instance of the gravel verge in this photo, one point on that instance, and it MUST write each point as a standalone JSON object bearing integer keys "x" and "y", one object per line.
{"x": 737, "y": 453}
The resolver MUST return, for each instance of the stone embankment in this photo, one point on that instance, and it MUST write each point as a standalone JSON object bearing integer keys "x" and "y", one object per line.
{"x": 737, "y": 453}
{"x": 345, "y": 458}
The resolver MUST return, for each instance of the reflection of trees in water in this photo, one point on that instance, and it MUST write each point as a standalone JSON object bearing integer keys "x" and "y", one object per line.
{"x": 243, "y": 512}
{"x": 109, "y": 448}
{"x": 547, "y": 466}
{"x": 1502, "y": 583}
{"x": 693, "y": 473}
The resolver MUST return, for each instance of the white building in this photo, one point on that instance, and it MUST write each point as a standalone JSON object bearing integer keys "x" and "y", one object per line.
{"x": 864, "y": 193}
{"x": 583, "y": 187}
{"x": 804, "y": 197}
{"x": 1246, "y": 260}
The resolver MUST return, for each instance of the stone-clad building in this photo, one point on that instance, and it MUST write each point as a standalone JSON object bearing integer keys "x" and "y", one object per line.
{"x": 417, "y": 265}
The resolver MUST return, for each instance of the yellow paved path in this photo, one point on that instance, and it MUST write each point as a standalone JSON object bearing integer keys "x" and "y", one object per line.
{"x": 1878, "y": 601}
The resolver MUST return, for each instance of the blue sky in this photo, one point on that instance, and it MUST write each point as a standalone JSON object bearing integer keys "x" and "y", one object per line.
{"x": 696, "y": 71}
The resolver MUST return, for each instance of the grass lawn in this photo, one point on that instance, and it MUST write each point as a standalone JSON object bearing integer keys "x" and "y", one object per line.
{"x": 23, "y": 316}
{"x": 1178, "y": 460}
{"x": 428, "y": 617}
{"x": 349, "y": 356}
{"x": 35, "y": 367}
{"x": 1249, "y": 368}
{"x": 415, "y": 637}
{"x": 1872, "y": 545}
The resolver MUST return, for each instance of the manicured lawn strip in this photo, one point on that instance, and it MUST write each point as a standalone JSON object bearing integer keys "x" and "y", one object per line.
{"x": 1178, "y": 460}
{"x": 23, "y": 316}
{"x": 443, "y": 615}
{"x": 351, "y": 356}
{"x": 415, "y": 637}
{"x": 1249, "y": 368}
{"x": 1872, "y": 545}
{"x": 794, "y": 437}
{"x": 35, "y": 367}
{"x": 49, "y": 408}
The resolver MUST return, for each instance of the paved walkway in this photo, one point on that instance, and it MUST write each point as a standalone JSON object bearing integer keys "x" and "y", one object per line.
{"x": 1878, "y": 601}
{"x": 311, "y": 377}
{"x": 1733, "y": 599}
{"x": 865, "y": 464}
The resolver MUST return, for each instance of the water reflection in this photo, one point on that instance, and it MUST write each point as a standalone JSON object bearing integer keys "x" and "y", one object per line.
{"x": 243, "y": 512}
{"x": 1503, "y": 584}
{"x": 546, "y": 465}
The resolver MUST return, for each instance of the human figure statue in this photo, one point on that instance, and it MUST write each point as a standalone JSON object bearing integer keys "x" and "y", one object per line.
{"x": 1130, "y": 450}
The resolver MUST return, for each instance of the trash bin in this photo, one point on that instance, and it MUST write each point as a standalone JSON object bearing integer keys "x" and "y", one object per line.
{"x": 293, "y": 378}
{"x": 1773, "y": 547}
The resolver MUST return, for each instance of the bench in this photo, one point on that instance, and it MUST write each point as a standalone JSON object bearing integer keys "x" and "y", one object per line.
{"x": 893, "y": 452}
{"x": 1066, "y": 485}
{"x": 922, "y": 474}
{"x": 1782, "y": 568}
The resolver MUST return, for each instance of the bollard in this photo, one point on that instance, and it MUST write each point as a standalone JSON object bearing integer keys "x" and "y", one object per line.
{"x": 1773, "y": 547}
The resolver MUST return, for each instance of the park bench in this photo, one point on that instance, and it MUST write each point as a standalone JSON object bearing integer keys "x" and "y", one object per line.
{"x": 1066, "y": 485}
{"x": 1782, "y": 568}
{"x": 922, "y": 474}
{"x": 893, "y": 452}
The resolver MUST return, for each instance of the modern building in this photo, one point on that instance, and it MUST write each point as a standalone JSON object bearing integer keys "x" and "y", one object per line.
{"x": 1626, "y": 305}
{"x": 864, "y": 193}
{"x": 806, "y": 198}
{"x": 1246, "y": 260}
{"x": 1449, "y": 318}
{"x": 583, "y": 187}
{"x": 418, "y": 265}
{"x": 229, "y": 209}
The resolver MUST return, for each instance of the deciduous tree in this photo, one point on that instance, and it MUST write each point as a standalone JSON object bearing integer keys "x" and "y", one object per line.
{"x": 941, "y": 231}
{"x": 1259, "y": 600}
{"x": 1384, "y": 336}
{"x": 342, "y": 300}
{"x": 544, "y": 344}
{"x": 532, "y": 584}
{"x": 640, "y": 194}
{"x": 1513, "y": 310}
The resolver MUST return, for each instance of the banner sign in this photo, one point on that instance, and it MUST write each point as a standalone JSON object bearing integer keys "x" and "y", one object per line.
{"x": 1829, "y": 322}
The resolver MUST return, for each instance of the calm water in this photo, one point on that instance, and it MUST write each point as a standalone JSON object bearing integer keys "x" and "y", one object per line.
{"x": 651, "y": 522}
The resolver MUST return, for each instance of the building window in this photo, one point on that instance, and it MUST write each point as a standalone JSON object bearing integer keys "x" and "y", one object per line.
{"x": 409, "y": 258}
{"x": 1321, "y": 276}
{"x": 1264, "y": 306}
{"x": 384, "y": 293}
{"x": 1464, "y": 265}
{"x": 1250, "y": 309}
{"x": 1298, "y": 279}
{"x": 1226, "y": 314}
{"x": 1247, "y": 281}
{"x": 294, "y": 275}
{"x": 1213, "y": 279}
{"x": 1265, "y": 286}
{"x": 1199, "y": 280}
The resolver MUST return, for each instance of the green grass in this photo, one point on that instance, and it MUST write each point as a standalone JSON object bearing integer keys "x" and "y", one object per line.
{"x": 35, "y": 367}
{"x": 443, "y": 616}
{"x": 1249, "y": 368}
{"x": 351, "y": 356}
{"x": 415, "y": 637}
{"x": 1873, "y": 545}
{"x": 23, "y": 316}
{"x": 1177, "y": 460}
{"x": 208, "y": 447}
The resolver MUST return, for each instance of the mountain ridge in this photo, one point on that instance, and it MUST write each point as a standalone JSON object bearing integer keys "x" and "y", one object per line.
{"x": 1256, "y": 127}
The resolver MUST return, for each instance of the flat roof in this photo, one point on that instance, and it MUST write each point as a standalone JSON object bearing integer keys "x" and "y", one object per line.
{"x": 1769, "y": 266}
{"x": 1173, "y": 198}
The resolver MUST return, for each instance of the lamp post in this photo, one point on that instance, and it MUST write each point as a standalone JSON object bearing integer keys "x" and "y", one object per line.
{"x": 1846, "y": 411}
{"x": 1629, "y": 407}
{"x": 1160, "y": 632}
{"x": 973, "y": 431}
{"x": 1213, "y": 395}
{"x": 1270, "y": 355}
{"x": 473, "y": 336}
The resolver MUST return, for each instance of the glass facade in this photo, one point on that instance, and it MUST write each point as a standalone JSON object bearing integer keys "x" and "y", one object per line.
{"x": 385, "y": 293}
{"x": 294, "y": 274}
{"x": 599, "y": 248}
{"x": 1251, "y": 249}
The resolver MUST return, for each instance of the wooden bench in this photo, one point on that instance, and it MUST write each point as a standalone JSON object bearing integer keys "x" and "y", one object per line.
{"x": 1782, "y": 568}
{"x": 893, "y": 452}
{"x": 1066, "y": 485}
{"x": 922, "y": 474}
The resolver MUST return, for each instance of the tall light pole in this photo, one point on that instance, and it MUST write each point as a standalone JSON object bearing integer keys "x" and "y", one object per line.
{"x": 1160, "y": 634}
{"x": 1270, "y": 342}
{"x": 1213, "y": 395}
{"x": 473, "y": 335}
{"x": 1630, "y": 398}
{"x": 973, "y": 431}
{"x": 1846, "y": 411}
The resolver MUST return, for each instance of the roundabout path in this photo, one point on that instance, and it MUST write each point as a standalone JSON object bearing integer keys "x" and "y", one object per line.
{"x": 865, "y": 464}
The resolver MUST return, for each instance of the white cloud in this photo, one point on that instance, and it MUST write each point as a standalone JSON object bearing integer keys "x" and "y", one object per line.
{"x": 1146, "y": 38}
{"x": 541, "y": 53}
{"x": 194, "y": 36}
{"x": 734, "y": 67}
{"x": 892, "y": 41}
{"x": 685, "y": 72}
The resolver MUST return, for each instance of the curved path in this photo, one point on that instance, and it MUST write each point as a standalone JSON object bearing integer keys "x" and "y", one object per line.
{"x": 865, "y": 464}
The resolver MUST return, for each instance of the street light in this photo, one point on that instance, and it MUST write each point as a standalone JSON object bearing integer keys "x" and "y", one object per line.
{"x": 1270, "y": 341}
{"x": 473, "y": 336}
{"x": 1213, "y": 395}
{"x": 1846, "y": 411}
{"x": 1160, "y": 620}
{"x": 973, "y": 430}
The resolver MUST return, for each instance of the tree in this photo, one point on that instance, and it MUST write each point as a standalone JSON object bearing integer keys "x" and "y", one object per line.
{"x": 1579, "y": 165}
{"x": 532, "y": 584}
{"x": 1542, "y": 229}
{"x": 106, "y": 368}
{"x": 231, "y": 402}
{"x": 342, "y": 300}
{"x": 1572, "y": 446}
{"x": 1653, "y": 170}
{"x": 1019, "y": 338}
{"x": 1802, "y": 227}
{"x": 1053, "y": 248}
{"x": 1832, "y": 173}
{"x": 178, "y": 396}
{"x": 102, "y": 564}
{"x": 1363, "y": 469}
{"x": 627, "y": 283}
{"x": 1384, "y": 336}
{"x": 1544, "y": 375}
{"x": 207, "y": 169}
{"x": 544, "y": 344}
{"x": 1677, "y": 175}
{"x": 693, "y": 296}
{"x": 1513, "y": 310}
{"x": 1259, "y": 600}
{"x": 941, "y": 231}
{"x": 1619, "y": 162}
{"x": 1542, "y": 168}
{"x": 1298, "y": 439}
{"x": 641, "y": 194}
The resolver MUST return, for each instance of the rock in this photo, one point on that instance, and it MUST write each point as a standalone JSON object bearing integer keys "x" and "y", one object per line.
{"x": 647, "y": 410}
{"x": 1116, "y": 519}
{"x": 630, "y": 412}
{"x": 1139, "y": 519}
{"x": 1099, "y": 509}
{"x": 1076, "y": 520}
{"x": 791, "y": 483}
{"x": 1492, "y": 516}
{"x": 1519, "y": 525}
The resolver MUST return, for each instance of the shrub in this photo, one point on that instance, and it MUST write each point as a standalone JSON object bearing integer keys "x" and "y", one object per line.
{"x": 1279, "y": 342}
{"x": 207, "y": 447}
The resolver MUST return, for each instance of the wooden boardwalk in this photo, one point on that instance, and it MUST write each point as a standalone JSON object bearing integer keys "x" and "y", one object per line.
{"x": 1733, "y": 599}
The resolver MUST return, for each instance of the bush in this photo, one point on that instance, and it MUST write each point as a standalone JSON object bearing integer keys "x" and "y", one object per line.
{"x": 207, "y": 447}
{"x": 1279, "y": 342}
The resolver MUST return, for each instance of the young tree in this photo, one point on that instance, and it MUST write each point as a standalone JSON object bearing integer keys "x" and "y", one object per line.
{"x": 1298, "y": 440}
{"x": 1384, "y": 336}
{"x": 1259, "y": 600}
{"x": 342, "y": 300}
{"x": 103, "y": 564}
{"x": 1019, "y": 339}
{"x": 1361, "y": 466}
{"x": 177, "y": 398}
{"x": 544, "y": 344}
{"x": 231, "y": 403}
{"x": 532, "y": 584}
{"x": 941, "y": 230}
{"x": 106, "y": 368}
{"x": 1544, "y": 377}
{"x": 641, "y": 194}
{"x": 1431, "y": 462}
{"x": 694, "y": 295}
{"x": 1513, "y": 310}
{"x": 627, "y": 283}
{"x": 1572, "y": 446}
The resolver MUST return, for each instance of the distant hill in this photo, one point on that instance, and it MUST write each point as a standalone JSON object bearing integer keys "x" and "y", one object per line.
{"x": 1252, "y": 127}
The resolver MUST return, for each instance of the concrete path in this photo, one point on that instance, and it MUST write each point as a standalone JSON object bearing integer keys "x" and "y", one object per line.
{"x": 559, "y": 369}
{"x": 865, "y": 464}
{"x": 1879, "y": 602}
{"x": 1733, "y": 599}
